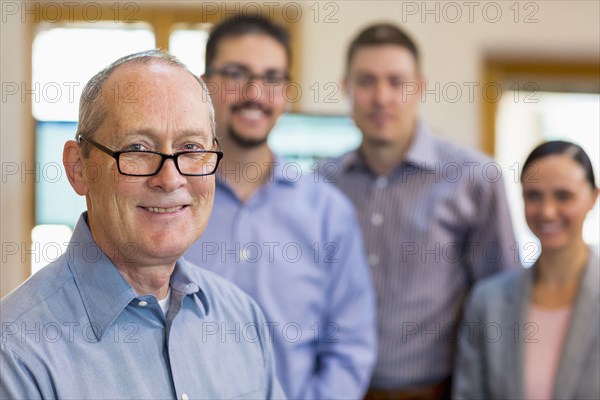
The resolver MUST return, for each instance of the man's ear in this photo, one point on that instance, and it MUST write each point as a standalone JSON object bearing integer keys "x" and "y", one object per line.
{"x": 422, "y": 82}
{"x": 345, "y": 89}
{"x": 73, "y": 163}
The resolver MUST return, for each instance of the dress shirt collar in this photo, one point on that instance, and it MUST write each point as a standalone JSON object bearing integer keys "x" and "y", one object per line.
{"x": 184, "y": 280}
{"x": 421, "y": 153}
{"x": 103, "y": 290}
{"x": 352, "y": 160}
{"x": 282, "y": 171}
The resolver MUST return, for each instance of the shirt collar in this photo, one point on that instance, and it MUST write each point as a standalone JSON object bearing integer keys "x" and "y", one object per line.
{"x": 352, "y": 160}
{"x": 282, "y": 171}
{"x": 421, "y": 153}
{"x": 285, "y": 171}
{"x": 184, "y": 279}
{"x": 103, "y": 290}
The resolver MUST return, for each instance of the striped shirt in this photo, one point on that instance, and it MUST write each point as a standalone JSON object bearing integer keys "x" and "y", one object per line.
{"x": 432, "y": 227}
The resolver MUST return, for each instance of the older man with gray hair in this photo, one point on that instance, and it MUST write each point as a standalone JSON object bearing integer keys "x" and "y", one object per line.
{"x": 121, "y": 314}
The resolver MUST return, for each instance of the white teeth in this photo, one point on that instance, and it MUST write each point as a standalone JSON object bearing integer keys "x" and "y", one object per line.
{"x": 550, "y": 228}
{"x": 251, "y": 113}
{"x": 164, "y": 210}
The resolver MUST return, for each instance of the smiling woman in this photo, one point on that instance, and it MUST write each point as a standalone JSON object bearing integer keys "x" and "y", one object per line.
{"x": 552, "y": 304}
{"x": 573, "y": 117}
{"x": 559, "y": 190}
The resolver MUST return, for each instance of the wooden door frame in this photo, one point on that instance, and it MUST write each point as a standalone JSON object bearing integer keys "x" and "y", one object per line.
{"x": 581, "y": 76}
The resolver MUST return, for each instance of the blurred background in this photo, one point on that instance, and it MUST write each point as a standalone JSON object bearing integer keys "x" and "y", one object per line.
{"x": 501, "y": 77}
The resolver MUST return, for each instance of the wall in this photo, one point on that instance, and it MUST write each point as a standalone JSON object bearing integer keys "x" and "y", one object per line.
{"x": 453, "y": 52}
{"x": 16, "y": 152}
{"x": 454, "y": 47}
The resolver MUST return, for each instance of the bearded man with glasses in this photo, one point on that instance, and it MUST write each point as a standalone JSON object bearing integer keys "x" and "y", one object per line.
{"x": 121, "y": 314}
{"x": 292, "y": 243}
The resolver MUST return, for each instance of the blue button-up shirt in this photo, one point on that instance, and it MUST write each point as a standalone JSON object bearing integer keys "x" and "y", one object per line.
{"x": 296, "y": 248}
{"x": 77, "y": 329}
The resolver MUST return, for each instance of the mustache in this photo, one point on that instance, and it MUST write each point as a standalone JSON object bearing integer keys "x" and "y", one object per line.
{"x": 378, "y": 113}
{"x": 252, "y": 104}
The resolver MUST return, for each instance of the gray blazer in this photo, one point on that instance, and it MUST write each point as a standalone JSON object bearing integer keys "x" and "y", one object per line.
{"x": 489, "y": 364}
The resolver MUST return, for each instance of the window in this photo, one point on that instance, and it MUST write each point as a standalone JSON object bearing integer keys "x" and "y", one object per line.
{"x": 542, "y": 102}
{"x": 307, "y": 138}
{"x": 64, "y": 58}
{"x": 187, "y": 43}
{"x": 66, "y": 54}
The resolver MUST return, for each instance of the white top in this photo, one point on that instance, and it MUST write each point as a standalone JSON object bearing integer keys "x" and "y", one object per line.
{"x": 164, "y": 303}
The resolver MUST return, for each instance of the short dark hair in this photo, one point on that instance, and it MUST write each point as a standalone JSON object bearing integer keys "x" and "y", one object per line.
{"x": 241, "y": 25}
{"x": 382, "y": 34}
{"x": 560, "y": 147}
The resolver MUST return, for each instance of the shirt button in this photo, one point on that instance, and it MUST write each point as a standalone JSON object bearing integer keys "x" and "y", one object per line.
{"x": 373, "y": 260}
{"x": 143, "y": 303}
{"x": 381, "y": 182}
{"x": 192, "y": 287}
{"x": 184, "y": 396}
{"x": 245, "y": 254}
{"x": 376, "y": 219}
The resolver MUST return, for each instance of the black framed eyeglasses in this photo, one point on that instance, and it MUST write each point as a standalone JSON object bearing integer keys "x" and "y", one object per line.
{"x": 243, "y": 75}
{"x": 149, "y": 163}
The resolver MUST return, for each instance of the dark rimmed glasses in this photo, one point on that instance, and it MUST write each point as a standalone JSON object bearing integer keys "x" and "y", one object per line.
{"x": 243, "y": 75}
{"x": 149, "y": 163}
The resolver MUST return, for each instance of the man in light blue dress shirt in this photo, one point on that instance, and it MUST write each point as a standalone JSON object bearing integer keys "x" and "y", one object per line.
{"x": 293, "y": 244}
{"x": 121, "y": 314}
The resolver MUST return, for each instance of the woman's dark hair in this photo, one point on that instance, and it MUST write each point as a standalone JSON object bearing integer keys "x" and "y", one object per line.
{"x": 561, "y": 147}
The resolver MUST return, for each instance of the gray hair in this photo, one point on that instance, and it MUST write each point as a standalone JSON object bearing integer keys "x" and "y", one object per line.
{"x": 92, "y": 111}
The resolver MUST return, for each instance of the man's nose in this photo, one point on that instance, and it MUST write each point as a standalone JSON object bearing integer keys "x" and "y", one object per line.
{"x": 168, "y": 178}
{"x": 383, "y": 93}
{"x": 254, "y": 90}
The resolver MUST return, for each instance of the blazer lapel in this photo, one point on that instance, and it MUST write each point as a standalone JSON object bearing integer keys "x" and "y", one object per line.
{"x": 516, "y": 311}
{"x": 582, "y": 331}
